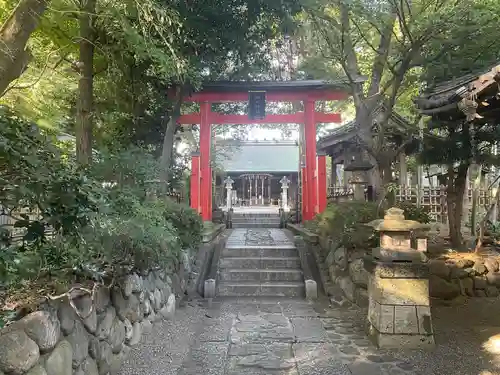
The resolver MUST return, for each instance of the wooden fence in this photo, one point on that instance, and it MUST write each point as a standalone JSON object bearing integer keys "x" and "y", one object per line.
{"x": 432, "y": 198}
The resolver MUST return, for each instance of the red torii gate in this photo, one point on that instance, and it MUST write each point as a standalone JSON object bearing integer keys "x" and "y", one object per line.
{"x": 313, "y": 170}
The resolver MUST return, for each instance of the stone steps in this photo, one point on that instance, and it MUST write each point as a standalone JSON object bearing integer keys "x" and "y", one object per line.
{"x": 237, "y": 225}
{"x": 255, "y": 220}
{"x": 260, "y": 251}
{"x": 265, "y": 289}
{"x": 260, "y": 275}
{"x": 260, "y": 262}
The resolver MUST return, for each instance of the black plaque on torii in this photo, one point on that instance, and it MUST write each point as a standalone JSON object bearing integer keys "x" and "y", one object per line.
{"x": 256, "y": 105}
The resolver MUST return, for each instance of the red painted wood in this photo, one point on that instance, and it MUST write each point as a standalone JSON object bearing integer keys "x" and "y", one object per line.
{"x": 195, "y": 183}
{"x": 310, "y": 140}
{"x": 206, "y": 177}
{"x": 322, "y": 200}
{"x": 293, "y": 118}
{"x": 242, "y": 96}
{"x": 304, "y": 193}
{"x": 321, "y": 117}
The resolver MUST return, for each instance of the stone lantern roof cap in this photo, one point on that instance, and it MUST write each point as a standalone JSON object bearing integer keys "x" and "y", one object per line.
{"x": 394, "y": 221}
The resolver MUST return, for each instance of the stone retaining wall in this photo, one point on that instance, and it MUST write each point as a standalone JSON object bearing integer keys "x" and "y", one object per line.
{"x": 92, "y": 334}
{"x": 474, "y": 278}
{"x": 343, "y": 270}
{"x": 343, "y": 276}
{"x": 347, "y": 271}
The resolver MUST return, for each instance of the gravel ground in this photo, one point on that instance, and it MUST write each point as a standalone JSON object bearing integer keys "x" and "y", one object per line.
{"x": 466, "y": 337}
{"x": 166, "y": 348}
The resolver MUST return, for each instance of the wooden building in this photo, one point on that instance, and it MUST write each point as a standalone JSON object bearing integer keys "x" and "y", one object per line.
{"x": 343, "y": 147}
{"x": 256, "y": 167}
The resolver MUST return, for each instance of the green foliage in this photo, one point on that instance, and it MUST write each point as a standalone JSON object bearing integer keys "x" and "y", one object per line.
{"x": 86, "y": 222}
{"x": 343, "y": 223}
{"x": 187, "y": 221}
{"x": 412, "y": 212}
{"x": 34, "y": 176}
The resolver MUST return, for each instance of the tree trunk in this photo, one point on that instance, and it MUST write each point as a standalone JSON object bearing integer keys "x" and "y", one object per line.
{"x": 476, "y": 189}
{"x": 84, "y": 116}
{"x": 168, "y": 139}
{"x": 14, "y": 34}
{"x": 454, "y": 201}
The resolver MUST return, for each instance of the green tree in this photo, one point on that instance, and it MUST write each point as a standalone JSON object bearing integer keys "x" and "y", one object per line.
{"x": 14, "y": 34}
{"x": 453, "y": 141}
{"x": 380, "y": 44}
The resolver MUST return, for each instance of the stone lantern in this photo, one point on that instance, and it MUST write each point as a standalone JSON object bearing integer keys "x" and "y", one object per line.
{"x": 229, "y": 187}
{"x": 399, "y": 314}
{"x": 284, "y": 193}
{"x": 359, "y": 178}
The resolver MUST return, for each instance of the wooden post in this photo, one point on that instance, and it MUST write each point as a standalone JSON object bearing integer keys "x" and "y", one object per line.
{"x": 403, "y": 170}
{"x": 420, "y": 168}
{"x": 262, "y": 190}
{"x": 269, "y": 190}
{"x": 205, "y": 170}
{"x": 321, "y": 183}
{"x": 195, "y": 181}
{"x": 310, "y": 137}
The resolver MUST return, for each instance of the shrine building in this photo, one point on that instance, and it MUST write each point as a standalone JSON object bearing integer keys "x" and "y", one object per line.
{"x": 257, "y": 167}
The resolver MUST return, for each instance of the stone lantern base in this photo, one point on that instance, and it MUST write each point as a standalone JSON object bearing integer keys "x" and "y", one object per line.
{"x": 399, "y": 315}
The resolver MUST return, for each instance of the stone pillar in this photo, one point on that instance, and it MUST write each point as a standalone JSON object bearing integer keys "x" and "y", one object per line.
{"x": 284, "y": 193}
{"x": 229, "y": 187}
{"x": 399, "y": 314}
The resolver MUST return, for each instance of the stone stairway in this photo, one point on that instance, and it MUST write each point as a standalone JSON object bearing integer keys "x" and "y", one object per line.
{"x": 255, "y": 219}
{"x": 260, "y": 262}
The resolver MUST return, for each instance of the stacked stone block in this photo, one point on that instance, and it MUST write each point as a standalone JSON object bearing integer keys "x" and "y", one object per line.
{"x": 94, "y": 336}
{"x": 450, "y": 278}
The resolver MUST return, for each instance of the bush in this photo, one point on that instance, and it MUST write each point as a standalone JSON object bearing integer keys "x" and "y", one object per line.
{"x": 343, "y": 223}
{"x": 140, "y": 241}
{"x": 101, "y": 218}
{"x": 412, "y": 212}
{"x": 187, "y": 221}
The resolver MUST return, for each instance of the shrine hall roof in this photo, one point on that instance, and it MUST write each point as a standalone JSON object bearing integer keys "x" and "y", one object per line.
{"x": 255, "y": 157}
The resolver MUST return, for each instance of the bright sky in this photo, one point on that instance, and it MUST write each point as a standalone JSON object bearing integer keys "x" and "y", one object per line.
{"x": 261, "y": 134}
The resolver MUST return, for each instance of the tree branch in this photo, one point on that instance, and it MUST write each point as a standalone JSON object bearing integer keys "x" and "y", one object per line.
{"x": 379, "y": 62}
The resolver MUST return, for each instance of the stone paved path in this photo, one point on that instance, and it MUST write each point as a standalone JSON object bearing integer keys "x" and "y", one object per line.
{"x": 257, "y": 337}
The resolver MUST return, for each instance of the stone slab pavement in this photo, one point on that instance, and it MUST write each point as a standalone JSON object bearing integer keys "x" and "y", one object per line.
{"x": 294, "y": 337}
{"x": 243, "y": 237}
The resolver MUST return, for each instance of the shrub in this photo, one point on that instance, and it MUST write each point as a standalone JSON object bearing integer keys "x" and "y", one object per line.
{"x": 187, "y": 221}
{"x": 412, "y": 212}
{"x": 343, "y": 223}
{"x": 139, "y": 241}
{"x": 101, "y": 218}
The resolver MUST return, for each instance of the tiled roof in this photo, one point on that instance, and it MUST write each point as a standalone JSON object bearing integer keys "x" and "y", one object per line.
{"x": 254, "y": 157}
{"x": 349, "y": 130}
{"x": 444, "y": 97}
